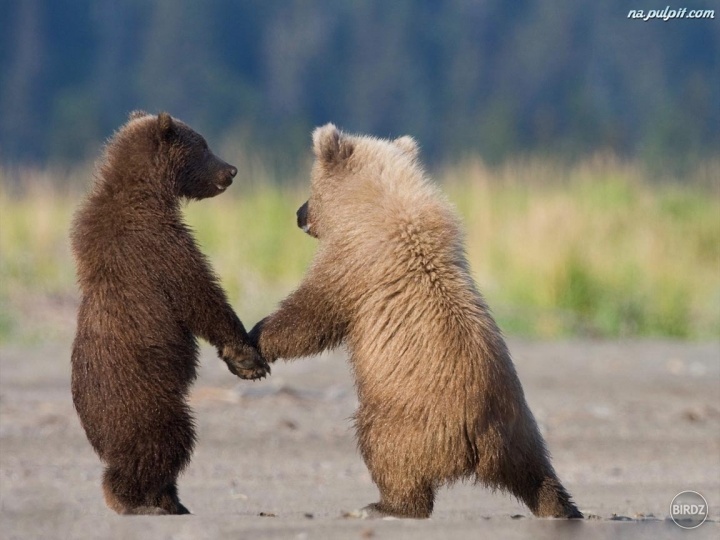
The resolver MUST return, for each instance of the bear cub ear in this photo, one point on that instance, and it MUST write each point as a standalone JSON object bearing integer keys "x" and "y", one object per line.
{"x": 137, "y": 114}
{"x": 330, "y": 144}
{"x": 408, "y": 145}
{"x": 166, "y": 126}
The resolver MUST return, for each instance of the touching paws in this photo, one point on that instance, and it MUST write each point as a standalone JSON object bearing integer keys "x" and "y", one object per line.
{"x": 245, "y": 362}
{"x": 255, "y": 338}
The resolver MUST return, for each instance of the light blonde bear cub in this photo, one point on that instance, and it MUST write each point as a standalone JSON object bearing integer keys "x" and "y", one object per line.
{"x": 439, "y": 397}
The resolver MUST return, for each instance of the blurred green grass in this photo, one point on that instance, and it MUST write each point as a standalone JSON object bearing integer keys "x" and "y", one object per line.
{"x": 598, "y": 249}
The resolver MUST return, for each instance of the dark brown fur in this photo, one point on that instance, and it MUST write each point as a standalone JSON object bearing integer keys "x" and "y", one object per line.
{"x": 439, "y": 397}
{"x": 147, "y": 291}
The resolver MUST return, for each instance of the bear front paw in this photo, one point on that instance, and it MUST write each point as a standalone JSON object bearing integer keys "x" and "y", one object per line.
{"x": 256, "y": 339}
{"x": 246, "y": 363}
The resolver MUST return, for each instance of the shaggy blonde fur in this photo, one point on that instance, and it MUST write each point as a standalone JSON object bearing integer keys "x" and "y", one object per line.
{"x": 439, "y": 397}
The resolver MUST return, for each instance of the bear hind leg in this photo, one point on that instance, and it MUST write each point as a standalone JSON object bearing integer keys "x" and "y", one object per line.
{"x": 551, "y": 500}
{"x": 415, "y": 501}
{"x": 170, "y": 502}
{"x": 125, "y": 496}
{"x": 524, "y": 469}
{"x": 143, "y": 480}
{"x": 540, "y": 489}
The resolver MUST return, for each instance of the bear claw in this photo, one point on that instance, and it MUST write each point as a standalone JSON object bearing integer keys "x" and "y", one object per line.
{"x": 251, "y": 368}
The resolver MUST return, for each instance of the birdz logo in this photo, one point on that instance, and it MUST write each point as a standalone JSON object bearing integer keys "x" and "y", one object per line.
{"x": 689, "y": 509}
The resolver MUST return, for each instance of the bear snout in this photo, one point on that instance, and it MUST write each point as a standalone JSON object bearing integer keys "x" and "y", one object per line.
{"x": 225, "y": 178}
{"x": 302, "y": 219}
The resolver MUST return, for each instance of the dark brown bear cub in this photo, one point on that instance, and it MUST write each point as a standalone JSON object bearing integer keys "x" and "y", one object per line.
{"x": 439, "y": 399}
{"x": 147, "y": 291}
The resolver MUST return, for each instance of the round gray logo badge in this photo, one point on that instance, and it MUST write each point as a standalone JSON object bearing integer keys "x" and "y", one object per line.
{"x": 689, "y": 509}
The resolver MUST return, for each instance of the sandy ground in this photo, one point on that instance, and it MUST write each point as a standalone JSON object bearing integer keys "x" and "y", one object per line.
{"x": 629, "y": 425}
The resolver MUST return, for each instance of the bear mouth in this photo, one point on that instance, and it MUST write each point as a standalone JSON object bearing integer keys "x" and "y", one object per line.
{"x": 223, "y": 183}
{"x": 307, "y": 228}
{"x": 222, "y": 186}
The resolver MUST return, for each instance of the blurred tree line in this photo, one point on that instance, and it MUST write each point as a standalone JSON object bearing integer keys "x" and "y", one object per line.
{"x": 488, "y": 77}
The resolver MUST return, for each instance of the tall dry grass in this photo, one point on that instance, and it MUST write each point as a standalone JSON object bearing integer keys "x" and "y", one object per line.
{"x": 597, "y": 249}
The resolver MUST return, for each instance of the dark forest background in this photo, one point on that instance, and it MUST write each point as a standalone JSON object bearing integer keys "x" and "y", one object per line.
{"x": 580, "y": 146}
{"x": 493, "y": 78}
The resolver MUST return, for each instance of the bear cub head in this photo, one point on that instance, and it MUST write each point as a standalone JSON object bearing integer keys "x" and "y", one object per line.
{"x": 175, "y": 154}
{"x": 346, "y": 170}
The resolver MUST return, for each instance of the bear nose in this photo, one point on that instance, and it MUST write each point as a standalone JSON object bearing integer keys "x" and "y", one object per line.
{"x": 232, "y": 172}
{"x": 301, "y": 215}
